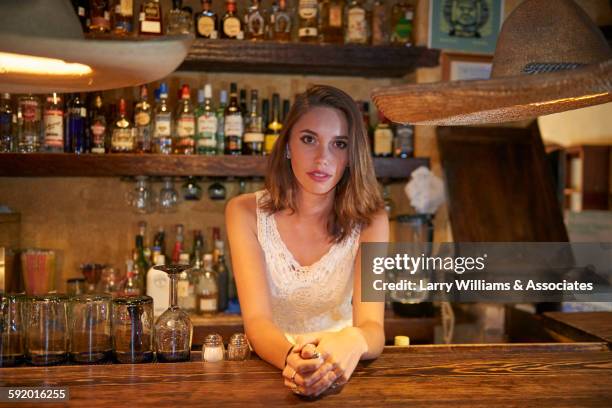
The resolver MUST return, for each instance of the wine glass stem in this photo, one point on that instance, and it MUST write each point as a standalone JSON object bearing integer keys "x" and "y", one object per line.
{"x": 173, "y": 290}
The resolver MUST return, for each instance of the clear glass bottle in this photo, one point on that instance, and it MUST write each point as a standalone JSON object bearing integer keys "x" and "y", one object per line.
{"x": 158, "y": 285}
{"x": 206, "y": 123}
{"x": 178, "y": 244}
{"x": 403, "y": 142}
{"x": 206, "y": 22}
{"x": 207, "y": 291}
{"x": 7, "y": 129}
{"x": 234, "y": 123}
{"x": 53, "y": 122}
{"x": 402, "y": 23}
{"x": 186, "y": 285}
{"x": 221, "y": 122}
{"x": 231, "y": 25}
{"x": 357, "y": 24}
{"x": 123, "y": 140}
{"x": 254, "y": 22}
{"x": 185, "y": 124}
{"x": 222, "y": 276}
{"x": 98, "y": 127}
{"x": 308, "y": 21}
{"x": 274, "y": 127}
{"x": 178, "y": 21}
{"x": 332, "y": 21}
{"x": 380, "y": 23}
{"x": 383, "y": 138}
{"x": 150, "y": 18}
{"x": 100, "y": 16}
{"x": 141, "y": 264}
{"x": 254, "y": 136}
{"x": 143, "y": 122}
{"x": 281, "y": 23}
{"x": 76, "y": 118}
{"x": 162, "y": 129}
{"x": 123, "y": 14}
{"x": 30, "y": 123}
{"x": 130, "y": 285}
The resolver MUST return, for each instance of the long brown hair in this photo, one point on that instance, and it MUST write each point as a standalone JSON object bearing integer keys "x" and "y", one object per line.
{"x": 357, "y": 196}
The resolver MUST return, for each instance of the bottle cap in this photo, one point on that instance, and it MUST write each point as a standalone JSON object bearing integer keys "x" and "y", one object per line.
{"x": 160, "y": 259}
{"x": 163, "y": 90}
{"x": 223, "y": 97}
{"x": 185, "y": 93}
{"x": 184, "y": 258}
{"x": 402, "y": 341}
{"x": 208, "y": 257}
{"x": 208, "y": 91}
{"x": 201, "y": 96}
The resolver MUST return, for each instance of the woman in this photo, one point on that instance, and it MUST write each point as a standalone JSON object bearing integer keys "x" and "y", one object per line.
{"x": 295, "y": 246}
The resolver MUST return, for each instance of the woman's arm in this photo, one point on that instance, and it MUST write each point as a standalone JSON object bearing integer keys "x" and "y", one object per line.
{"x": 248, "y": 264}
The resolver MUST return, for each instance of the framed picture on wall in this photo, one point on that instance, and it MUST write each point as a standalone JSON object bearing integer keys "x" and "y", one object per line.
{"x": 465, "y": 25}
{"x": 457, "y": 66}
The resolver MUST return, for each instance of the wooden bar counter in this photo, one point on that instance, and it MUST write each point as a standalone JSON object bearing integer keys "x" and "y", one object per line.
{"x": 518, "y": 375}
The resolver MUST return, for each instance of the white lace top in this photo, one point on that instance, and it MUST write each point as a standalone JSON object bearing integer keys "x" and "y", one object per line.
{"x": 307, "y": 298}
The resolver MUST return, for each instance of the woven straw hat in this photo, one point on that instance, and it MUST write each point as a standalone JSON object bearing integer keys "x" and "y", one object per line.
{"x": 550, "y": 57}
{"x": 51, "y": 29}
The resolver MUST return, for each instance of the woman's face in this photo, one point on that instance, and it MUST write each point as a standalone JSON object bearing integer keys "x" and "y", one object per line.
{"x": 318, "y": 145}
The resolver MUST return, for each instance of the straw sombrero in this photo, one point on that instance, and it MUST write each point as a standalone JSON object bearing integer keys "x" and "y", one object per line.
{"x": 550, "y": 57}
{"x": 51, "y": 29}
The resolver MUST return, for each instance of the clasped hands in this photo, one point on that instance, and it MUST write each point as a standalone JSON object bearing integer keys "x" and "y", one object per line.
{"x": 322, "y": 361}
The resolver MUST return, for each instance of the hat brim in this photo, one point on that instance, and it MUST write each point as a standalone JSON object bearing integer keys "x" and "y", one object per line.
{"x": 114, "y": 63}
{"x": 496, "y": 100}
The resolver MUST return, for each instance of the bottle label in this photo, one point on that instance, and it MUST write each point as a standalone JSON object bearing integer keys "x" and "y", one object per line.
{"x": 126, "y": 7}
{"x": 54, "y": 128}
{"x": 253, "y": 137}
{"x": 151, "y": 27}
{"x": 182, "y": 288}
{"x": 255, "y": 24}
{"x": 308, "y": 9}
{"x": 357, "y": 30}
{"x": 162, "y": 125}
{"x": 30, "y": 111}
{"x": 208, "y": 304}
{"x": 335, "y": 16}
{"x": 98, "y": 130}
{"x": 142, "y": 119}
{"x": 231, "y": 27}
{"x": 308, "y": 32}
{"x": 151, "y": 11}
{"x": 206, "y": 26}
{"x": 234, "y": 125}
{"x": 81, "y": 11}
{"x": 207, "y": 125}
{"x": 123, "y": 139}
{"x": 282, "y": 24}
{"x": 383, "y": 139}
{"x": 185, "y": 126}
{"x": 269, "y": 141}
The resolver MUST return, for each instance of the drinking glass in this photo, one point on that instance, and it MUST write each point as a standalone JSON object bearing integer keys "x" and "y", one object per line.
{"x": 12, "y": 330}
{"x": 46, "y": 338}
{"x": 133, "y": 329}
{"x": 141, "y": 198}
{"x": 173, "y": 329}
{"x": 168, "y": 196}
{"x": 90, "y": 328}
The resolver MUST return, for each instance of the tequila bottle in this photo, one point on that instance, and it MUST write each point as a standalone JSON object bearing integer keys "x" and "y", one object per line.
{"x": 255, "y": 22}
{"x": 332, "y": 21}
{"x": 185, "y": 124}
{"x": 206, "y": 123}
{"x": 308, "y": 19}
{"x": 380, "y": 23}
{"x": 254, "y": 137}
{"x": 98, "y": 127}
{"x": 357, "y": 30}
{"x": 234, "y": 123}
{"x": 280, "y": 22}
{"x": 142, "y": 120}
{"x": 162, "y": 127}
{"x": 122, "y": 139}
{"x": 206, "y": 21}
{"x": 231, "y": 26}
{"x": 150, "y": 18}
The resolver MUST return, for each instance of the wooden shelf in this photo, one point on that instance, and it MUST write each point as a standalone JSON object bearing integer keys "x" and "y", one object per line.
{"x": 113, "y": 165}
{"x": 307, "y": 59}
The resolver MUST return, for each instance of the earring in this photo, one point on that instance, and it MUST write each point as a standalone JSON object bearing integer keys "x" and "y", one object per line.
{"x": 287, "y": 152}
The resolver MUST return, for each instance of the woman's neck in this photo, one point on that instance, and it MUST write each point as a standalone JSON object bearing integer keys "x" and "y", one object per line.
{"x": 315, "y": 207}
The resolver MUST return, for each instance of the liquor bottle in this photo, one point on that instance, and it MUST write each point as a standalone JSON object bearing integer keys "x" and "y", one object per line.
{"x": 178, "y": 21}
{"x": 383, "y": 138}
{"x": 254, "y": 137}
{"x": 162, "y": 128}
{"x": 280, "y": 22}
{"x": 234, "y": 123}
{"x": 53, "y": 122}
{"x": 274, "y": 127}
{"x": 130, "y": 286}
{"x": 141, "y": 264}
{"x": 207, "y": 292}
{"x": 159, "y": 241}
{"x": 380, "y": 23}
{"x": 265, "y": 113}
{"x": 150, "y": 18}
{"x": 231, "y": 26}
{"x": 332, "y": 21}
{"x": 123, "y": 14}
{"x": 402, "y": 23}
{"x": 98, "y": 127}
{"x": 357, "y": 28}
{"x": 365, "y": 114}
{"x": 254, "y": 22}
{"x": 142, "y": 231}
{"x": 100, "y": 16}
{"x": 206, "y": 123}
{"x": 222, "y": 276}
{"x": 185, "y": 124}
{"x": 76, "y": 115}
{"x": 81, "y": 8}
{"x": 142, "y": 121}
{"x": 221, "y": 122}
{"x": 7, "y": 130}
{"x": 308, "y": 21}
{"x": 197, "y": 251}
{"x": 178, "y": 244}
{"x": 206, "y": 21}
{"x": 122, "y": 139}
{"x": 158, "y": 285}
{"x": 286, "y": 108}
{"x": 403, "y": 142}
{"x": 243, "y": 104}
{"x": 186, "y": 286}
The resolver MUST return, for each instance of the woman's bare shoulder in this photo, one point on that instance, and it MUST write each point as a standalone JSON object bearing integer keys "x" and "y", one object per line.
{"x": 378, "y": 229}
{"x": 242, "y": 207}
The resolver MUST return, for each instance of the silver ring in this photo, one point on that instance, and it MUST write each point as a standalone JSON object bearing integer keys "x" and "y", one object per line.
{"x": 316, "y": 354}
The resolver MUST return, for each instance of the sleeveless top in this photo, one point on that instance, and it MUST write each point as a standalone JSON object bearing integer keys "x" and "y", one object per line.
{"x": 311, "y": 298}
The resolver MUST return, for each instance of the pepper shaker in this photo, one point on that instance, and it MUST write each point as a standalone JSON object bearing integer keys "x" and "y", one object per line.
{"x": 238, "y": 348}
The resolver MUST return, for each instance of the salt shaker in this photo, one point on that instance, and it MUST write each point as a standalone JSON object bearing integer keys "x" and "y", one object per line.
{"x": 238, "y": 348}
{"x": 213, "y": 350}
